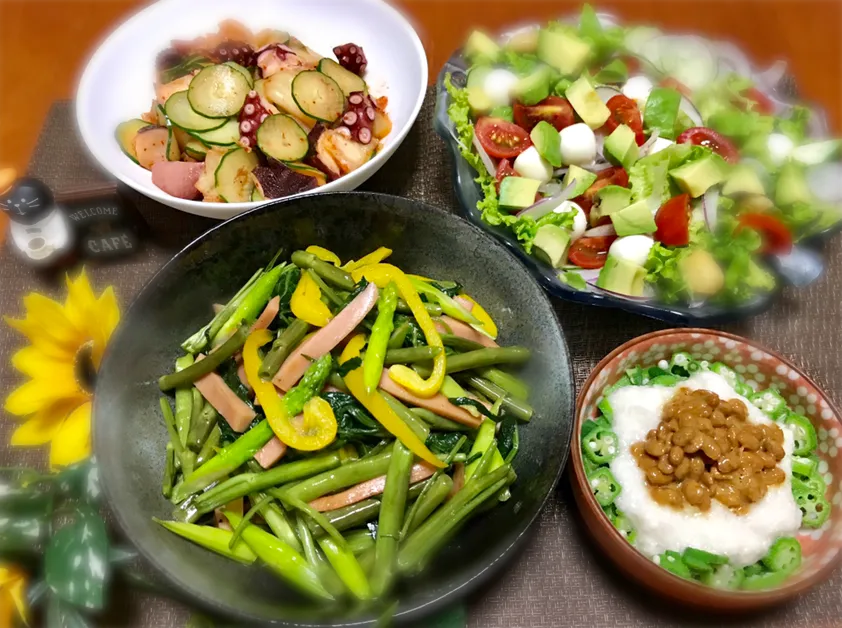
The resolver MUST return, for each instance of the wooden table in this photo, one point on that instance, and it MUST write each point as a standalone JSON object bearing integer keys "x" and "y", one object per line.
{"x": 44, "y": 43}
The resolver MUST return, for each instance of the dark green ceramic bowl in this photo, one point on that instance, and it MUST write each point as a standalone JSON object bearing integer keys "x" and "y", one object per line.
{"x": 130, "y": 438}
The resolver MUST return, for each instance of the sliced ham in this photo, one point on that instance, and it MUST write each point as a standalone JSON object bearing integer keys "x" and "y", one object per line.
{"x": 458, "y": 478}
{"x": 458, "y": 328}
{"x": 270, "y": 453}
{"x": 465, "y": 303}
{"x": 269, "y": 313}
{"x": 438, "y": 403}
{"x": 241, "y": 375}
{"x": 233, "y": 409}
{"x": 234, "y": 506}
{"x": 178, "y": 178}
{"x": 217, "y": 308}
{"x": 326, "y": 339}
{"x": 364, "y": 490}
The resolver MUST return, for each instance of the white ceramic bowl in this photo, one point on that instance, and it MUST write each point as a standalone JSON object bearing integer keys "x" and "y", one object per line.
{"x": 117, "y": 83}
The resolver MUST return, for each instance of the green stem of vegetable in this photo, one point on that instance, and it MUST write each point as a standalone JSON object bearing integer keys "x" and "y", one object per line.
{"x": 284, "y": 344}
{"x": 483, "y": 465}
{"x": 508, "y": 382}
{"x": 183, "y": 401}
{"x": 410, "y": 355}
{"x": 427, "y": 503}
{"x": 198, "y": 341}
{"x": 315, "y": 516}
{"x": 281, "y": 559}
{"x": 518, "y": 408}
{"x": 252, "y": 304}
{"x": 415, "y": 424}
{"x": 238, "y": 531}
{"x": 184, "y": 456}
{"x": 392, "y": 508}
{"x": 347, "y": 567}
{"x": 335, "y": 380}
{"x": 206, "y": 365}
{"x": 327, "y": 292}
{"x": 421, "y": 544}
{"x": 347, "y": 475}
{"x": 202, "y": 425}
{"x": 459, "y": 343}
{"x": 378, "y": 340}
{"x": 215, "y": 539}
{"x": 359, "y": 541}
{"x": 309, "y": 386}
{"x": 482, "y": 445}
{"x": 209, "y": 447}
{"x": 226, "y": 461}
{"x": 317, "y": 560}
{"x": 327, "y": 271}
{"x": 448, "y": 305}
{"x": 399, "y": 335}
{"x": 169, "y": 472}
{"x": 487, "y": 357}
{"x": 276, "y": 518}
{"x": 248, "y": 483}
{"x": 439, "y": 422}
{"x": 433, "y": 309}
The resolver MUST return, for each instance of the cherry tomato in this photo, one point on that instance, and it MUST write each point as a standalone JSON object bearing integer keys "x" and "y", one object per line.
{"x": 624, "y": 111}
{"x": 501, "y": 139}
{"x": 703, "y": 136}
{"x": 762, "y": 103}
{"x": 673, "y": 221}
{"x": 504, "y": 169}
{"x": 632, "y": 63}
{"x": 677, "y": 85}
{"x": 609, "y": 176}
{"x": 777, "y": 239}
{"x": 590, "y": 252}
{"x": 553, "y": 109}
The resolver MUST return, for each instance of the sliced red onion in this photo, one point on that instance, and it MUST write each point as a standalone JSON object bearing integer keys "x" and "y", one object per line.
{"x": 560, "y": 172}
{"x": 590, "y": 275}
{"x": 825, "y": 181}
{"x": 689, "y": 109}
{"x": 484, "y": 157}
{"x": 600, "y": 145}
{"x": 643, "y": 298}
{"x": 546, "y": 205}
{"x": 648, "y": 144}
{"x": 551, "y": 188}
{"x": 771, "y": 77}
{"x": 732, "y": 59}
{"x": 711, "y": 204}
{"x": 817, "y": 124}
{"x": 599, "y": 166}
{"x": 607, "y": 92}
{"x": 600, "y": 231}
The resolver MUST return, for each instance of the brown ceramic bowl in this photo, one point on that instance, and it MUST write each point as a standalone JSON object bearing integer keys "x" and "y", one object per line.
{"x": 761, "y": 368}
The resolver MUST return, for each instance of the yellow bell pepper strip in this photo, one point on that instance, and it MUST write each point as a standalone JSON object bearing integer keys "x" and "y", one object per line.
{"x": 375, "y": 257}
{"x": 324, "y": 255}
{"x": 487, "y": 323}
{"x": 380, "y": 408}
{"x": 306, "y": 302}
{"x": 318, "y": 427}
{"x": 382, "y": 274}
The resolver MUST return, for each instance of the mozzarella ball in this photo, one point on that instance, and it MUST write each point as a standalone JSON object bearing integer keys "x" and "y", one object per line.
{"x": 578, "y": 144}
{"x": 780, "y": 148}
{"x": 498, "y": 86}
{"x": 660, "y": 144}
{"x": 638, "y": 88}
{"x": 633, "y": 249}
{"x": 531, "y": 165}
{"x": 580, "y": 220}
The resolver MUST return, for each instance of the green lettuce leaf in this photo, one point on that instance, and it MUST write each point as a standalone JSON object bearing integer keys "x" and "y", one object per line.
{"x": 662, "y": 271}
{"x": 519, "y": 62}
{"x": 527, "y": 227}
{"x": 573, "y": 279}
{"x": 604, "y": 41}
{"x": 796, "y": 125}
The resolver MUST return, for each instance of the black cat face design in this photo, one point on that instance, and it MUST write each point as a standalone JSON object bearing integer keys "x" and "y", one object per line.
{"x": 27, "y": 201}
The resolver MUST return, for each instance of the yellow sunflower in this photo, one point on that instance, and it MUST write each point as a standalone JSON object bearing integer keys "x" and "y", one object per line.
{"x": 67, "y": 343}
{"x": 12, "y": 594}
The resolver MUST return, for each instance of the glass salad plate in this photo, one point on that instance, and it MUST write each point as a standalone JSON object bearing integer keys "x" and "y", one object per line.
{"x": 799, "y": 266}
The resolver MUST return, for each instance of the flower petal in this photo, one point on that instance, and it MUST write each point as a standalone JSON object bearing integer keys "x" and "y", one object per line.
{"x": 44, "y": 425}
{"x": 17, "y": 591}
{"x": 103, "y": 322}
{"x": 81, "y": 301}
{"x": 35, "y": 363}
{"x": 72, "y": 443}
{"x": 37, "y": 394}
{"x": 35, "y": 334}
{"x": 51, "y": 316}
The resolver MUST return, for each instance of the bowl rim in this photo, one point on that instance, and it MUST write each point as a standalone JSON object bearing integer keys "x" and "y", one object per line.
{"x": 476, "y": 578}
{"x": 84, "y": 91}
{"x": 649, "y": 572}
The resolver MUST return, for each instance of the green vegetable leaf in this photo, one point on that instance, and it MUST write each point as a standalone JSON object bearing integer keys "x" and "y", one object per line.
{"x": 796, "y": 125}
{"x": 518, "y": 62}
{"x": 573, "y": 279}
{"x": 286, "y": 285}
{"x": 450, "y": 288}
{"x": 561, "y": 86}
{"x": 661, "y": 111}
{"x": 526, "y": 228}
{"x": 63, "y": 615}
{"x": 353, "y": 422}
{"x": 604, "y": 41}
{"x": 442, "y": 443}
{"x": 615, "y": 72}
{"x": 349, "y": 365}
{"x": 80, "y": 481}
{"x": 471, "y": 403}
{"x": 76, "y": 560}
{"x": 508, "y": 439}
{"x": 662, "y": 271}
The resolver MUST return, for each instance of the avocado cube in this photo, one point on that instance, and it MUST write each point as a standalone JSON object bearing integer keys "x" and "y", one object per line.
{"x": 523, "y": 42}
{"x": 479, "y": 102}
{"x": 563, "y": 50}
{"x": 634, "y": 220}
{"x": 534, "y": 87}
{"x": 587, "y": 103}
{"x": 622, "y": 146}
{"x": 611, "y": 199}
{"x": 583, "y": 178}
{"x": 792, "y": 186}
{"x": 476, "y": 76}
{"x": 743, "y": 180}
{"x": 518, "y": 192}
{"x": 697, "y": 176}
{"x": 622, "y": 276}
{"x": 551, "y": 244}
{"x": 481, "y": 46}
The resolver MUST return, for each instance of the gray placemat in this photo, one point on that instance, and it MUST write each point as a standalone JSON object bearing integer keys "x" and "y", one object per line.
{"x": 559, "y": 579}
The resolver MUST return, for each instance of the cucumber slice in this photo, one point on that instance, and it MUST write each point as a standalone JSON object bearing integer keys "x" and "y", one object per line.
{"x": 256, "y": 195}
{"x": 241, "y": 70}
{"x": 196, "y": 149}
{"x": 282, "y": 138}
{"x": 125, "y": 134}
{"x": 226, "y": 135}
{"x": 348, "y": 81}
{"x": 182, "y": 115}
{"x": 232, "y": 179}
{"x": 318, "y": 95}
{"x": 218, "y": 91}
{"x": 161, "y": 116}
{"x": 309, "y": 171}
{"x": 173, "y": 150}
